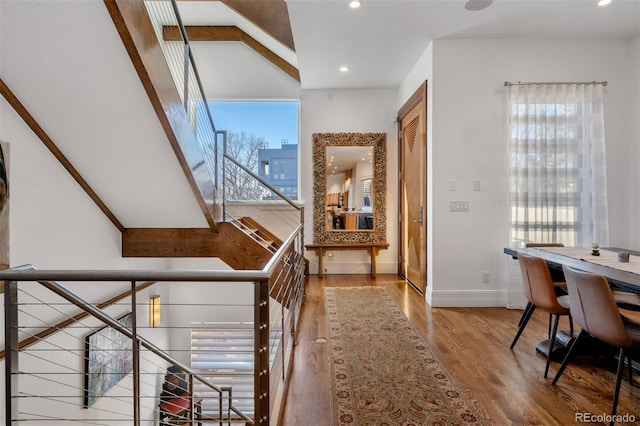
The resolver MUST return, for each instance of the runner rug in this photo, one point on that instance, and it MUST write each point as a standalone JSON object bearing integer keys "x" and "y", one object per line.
{"x": 381, "y": 370}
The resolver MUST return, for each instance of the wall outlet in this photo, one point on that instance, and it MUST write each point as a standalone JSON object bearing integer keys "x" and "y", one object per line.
{"x": 486, "y": 277}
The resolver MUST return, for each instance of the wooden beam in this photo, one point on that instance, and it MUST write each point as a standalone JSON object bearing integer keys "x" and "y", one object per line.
{"x": 230, "y": 244}
{"x": 272, "y": 16}
{"x": 57, "y": 153}
{"x": 229, "y": 33}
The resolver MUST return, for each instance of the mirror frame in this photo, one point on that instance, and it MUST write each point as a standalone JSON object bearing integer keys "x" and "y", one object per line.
{"x": 379, "y": 143}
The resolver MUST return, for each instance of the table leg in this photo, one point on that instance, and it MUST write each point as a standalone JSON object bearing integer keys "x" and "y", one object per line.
{"x": 373, "y": 253}
{"x": 320, "y": 254}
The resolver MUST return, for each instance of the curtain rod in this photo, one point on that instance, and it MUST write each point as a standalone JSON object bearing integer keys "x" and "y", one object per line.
{"x": 523, "y": 83}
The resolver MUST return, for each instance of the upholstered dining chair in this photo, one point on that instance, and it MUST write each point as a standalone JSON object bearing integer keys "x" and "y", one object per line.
{"x": 594, "y": 308}
{"x": 560, "y": 286}
{"x": 539, "y": 290}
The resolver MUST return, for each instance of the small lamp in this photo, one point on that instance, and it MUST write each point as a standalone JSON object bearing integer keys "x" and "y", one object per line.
{"x": 154, "y": 311}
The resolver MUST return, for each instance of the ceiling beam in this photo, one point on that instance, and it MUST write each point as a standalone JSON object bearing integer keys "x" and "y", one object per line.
{"x": 272, "y": 16}
{"x": 229, "y": 33}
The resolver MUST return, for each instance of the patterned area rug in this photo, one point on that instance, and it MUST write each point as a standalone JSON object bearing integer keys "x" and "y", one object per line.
{"x": 381, "y": 370}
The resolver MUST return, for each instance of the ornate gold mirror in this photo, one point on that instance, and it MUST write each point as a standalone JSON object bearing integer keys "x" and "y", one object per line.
{"x": 349, "y": 175}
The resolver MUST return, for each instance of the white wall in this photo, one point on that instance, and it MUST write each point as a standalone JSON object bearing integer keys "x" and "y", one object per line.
{"x": 635, "y": 157}
{"x": 350, "y": 111}
{"x": 468, "y": 143}
{"x": 86, "y": 95}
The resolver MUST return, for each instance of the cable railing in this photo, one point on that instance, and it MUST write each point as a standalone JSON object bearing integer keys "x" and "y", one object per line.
{"x": 247, "y": 195}
{"x": 173, "y": 41}
{"x": 240, "y": 191}
{"x": 110, "y": 366}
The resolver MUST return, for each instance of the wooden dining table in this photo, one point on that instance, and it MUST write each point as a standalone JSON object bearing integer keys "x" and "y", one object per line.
{"x": 622, "y": 276}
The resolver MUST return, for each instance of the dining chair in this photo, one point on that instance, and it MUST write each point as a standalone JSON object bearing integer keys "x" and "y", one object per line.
{"x": 627, "y": 300}
{"x": 560, "y": 286}
{"x": 594, "y": 308}
{"x": 539, "y": 290}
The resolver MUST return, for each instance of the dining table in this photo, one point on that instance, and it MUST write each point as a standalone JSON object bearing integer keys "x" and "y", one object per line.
{"x": 622, "y": 276}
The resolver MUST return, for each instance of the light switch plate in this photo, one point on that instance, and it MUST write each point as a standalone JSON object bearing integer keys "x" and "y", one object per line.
{"x": 459, "y": 206}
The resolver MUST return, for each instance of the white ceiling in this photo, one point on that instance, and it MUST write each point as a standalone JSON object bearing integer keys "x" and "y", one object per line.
{"x": 382, "y": 40}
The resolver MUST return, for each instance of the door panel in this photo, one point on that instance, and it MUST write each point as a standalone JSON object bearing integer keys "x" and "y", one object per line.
{"x": 413, "y": 194}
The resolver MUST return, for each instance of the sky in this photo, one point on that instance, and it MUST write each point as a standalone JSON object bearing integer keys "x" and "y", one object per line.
{"x": 274, "y": 120}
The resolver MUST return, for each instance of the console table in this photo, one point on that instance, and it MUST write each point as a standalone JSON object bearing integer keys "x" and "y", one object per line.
{"x": 321, "y": 248}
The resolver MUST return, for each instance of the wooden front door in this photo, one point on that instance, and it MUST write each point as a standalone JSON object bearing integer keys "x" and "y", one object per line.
{"x": 413, "y": 189}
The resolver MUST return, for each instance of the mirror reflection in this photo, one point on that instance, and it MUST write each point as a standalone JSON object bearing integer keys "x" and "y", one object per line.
{"x": 349, "y": 195}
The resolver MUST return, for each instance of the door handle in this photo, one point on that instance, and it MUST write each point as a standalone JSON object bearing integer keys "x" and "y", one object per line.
{"x": 419, "y": 220}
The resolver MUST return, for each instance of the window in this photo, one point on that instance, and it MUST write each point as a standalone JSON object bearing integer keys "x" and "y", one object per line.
{"x": 264, "y": 170}
{"x": 366, "y": 195}
{"x": 557, "y": 164}
{"x": 223, "y": 353}
{"x": 263, "y": 136}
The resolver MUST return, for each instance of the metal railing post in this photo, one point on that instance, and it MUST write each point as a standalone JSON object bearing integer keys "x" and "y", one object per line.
{"x": 224, "y": 174}
{"x": 11, "y": 350}
{"x": 135, "y": 347}
{"x": 261, "y": 352}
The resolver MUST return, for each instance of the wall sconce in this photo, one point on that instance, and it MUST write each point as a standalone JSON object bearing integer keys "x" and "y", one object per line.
{"x": 154, "y": 311}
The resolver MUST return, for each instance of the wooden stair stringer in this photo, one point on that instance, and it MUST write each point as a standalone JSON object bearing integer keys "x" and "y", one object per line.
{"x": 261, "y": 232}
{"x": 239, "y": 250}
{"x": 230, "y": 244}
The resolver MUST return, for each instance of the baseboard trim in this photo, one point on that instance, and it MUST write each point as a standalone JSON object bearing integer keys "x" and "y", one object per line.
{"x": 466, "y": 298}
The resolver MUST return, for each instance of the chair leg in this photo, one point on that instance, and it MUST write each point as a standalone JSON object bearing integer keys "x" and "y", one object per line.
{"x": 568, "y": 356}
{"x": 553, "y": 341}
{"x": 524, "y": 313}
{"x": 618, "y": 381}
{"x": 549, "y": 331}
{"x": 571, "y": 325}
{"x": 523, "y": 324}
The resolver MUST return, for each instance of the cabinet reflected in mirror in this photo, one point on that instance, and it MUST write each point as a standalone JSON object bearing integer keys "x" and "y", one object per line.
{"x": 349, "y": 187}
{"x": 348, "y": 197}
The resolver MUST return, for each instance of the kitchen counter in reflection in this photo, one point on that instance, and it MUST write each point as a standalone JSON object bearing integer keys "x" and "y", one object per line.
{"x": 351, "y": 219}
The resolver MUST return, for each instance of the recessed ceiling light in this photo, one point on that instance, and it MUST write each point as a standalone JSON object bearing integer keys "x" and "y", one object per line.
{"x": 604, "y": 2}
{"x": 474, "y": 5}
{"x": 355, "y": 4}
{"x": 344, "y": 69}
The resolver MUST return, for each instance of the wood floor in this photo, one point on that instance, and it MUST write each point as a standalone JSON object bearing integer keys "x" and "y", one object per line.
{"x": 473, "y": 345}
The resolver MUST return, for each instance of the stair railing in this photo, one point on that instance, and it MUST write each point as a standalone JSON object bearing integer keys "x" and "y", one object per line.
{"x": 47, "y": 381}
{"x": 277, "y": 213}
{"x": 173, "y": 40}
{"x": 272, "y": 213}
{"x": 13, "y": 369}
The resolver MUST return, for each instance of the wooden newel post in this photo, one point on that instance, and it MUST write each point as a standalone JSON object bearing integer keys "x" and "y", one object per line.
{"x": 261, "y": 353}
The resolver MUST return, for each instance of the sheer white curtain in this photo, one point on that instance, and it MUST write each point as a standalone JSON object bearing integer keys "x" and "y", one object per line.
{"x": 557, "y": 168}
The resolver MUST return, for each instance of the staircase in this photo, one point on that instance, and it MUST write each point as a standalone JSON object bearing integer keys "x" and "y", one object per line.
{"x": 258, "y": 233}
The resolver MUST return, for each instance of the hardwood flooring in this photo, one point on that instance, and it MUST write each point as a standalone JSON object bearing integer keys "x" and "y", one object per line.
{"x": 473, "y": 345}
